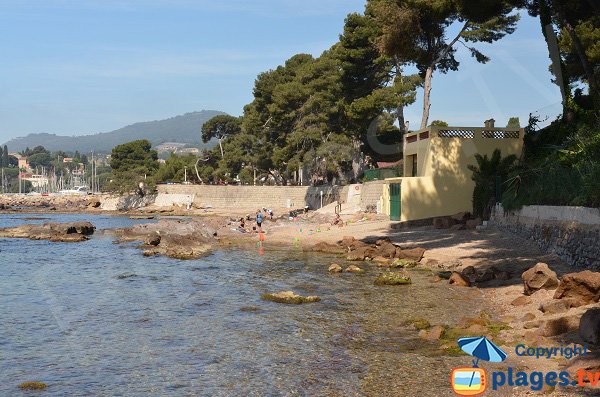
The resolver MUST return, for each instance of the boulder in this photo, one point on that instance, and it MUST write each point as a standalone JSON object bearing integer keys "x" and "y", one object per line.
{"x": 582, "y": 287}
{"x": 387, "y": 250}
{"x": 353, "y": 269}
{"x": 328, "y": 248}
{"x": 457, "y": 279}
{"x": 335, "y": 268}
{"x": 56, "y": 232}
{"x": 539, "y": 277}
{"x": 589, "y": 326}
{"x": 414, "y": 254}
{"x": 559, "y": 326}
{"x": 555, "y": 306}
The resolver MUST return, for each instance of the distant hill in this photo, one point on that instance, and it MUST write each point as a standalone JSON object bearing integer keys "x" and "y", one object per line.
{"x": 183, "y": 129}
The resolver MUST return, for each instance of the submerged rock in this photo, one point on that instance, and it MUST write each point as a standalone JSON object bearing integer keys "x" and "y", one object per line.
{"x": 289, "y": 297}
{"x": 393, "y": 278}
{"x": 57, "y": 232}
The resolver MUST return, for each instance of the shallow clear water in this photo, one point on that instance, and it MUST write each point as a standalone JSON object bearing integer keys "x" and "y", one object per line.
{"x": 99, "y": 319}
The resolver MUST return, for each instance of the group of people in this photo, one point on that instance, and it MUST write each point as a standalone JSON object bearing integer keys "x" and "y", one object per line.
{"x": 260, "y": 217}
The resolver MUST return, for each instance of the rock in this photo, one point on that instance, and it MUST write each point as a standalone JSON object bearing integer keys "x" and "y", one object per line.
{"x": 353, "y": 269}
{"x": 94, "y": 204}
{"x": 289, "y": 297}
{"x": 443, "y": 222}
{"x": 521, "y": 301}
{"x": 534, "y": 339}
{"x": 559, "y": 326}
{"x": 347, "y": 241}
{"x": 434, "y": 333}
{"x": 589, "y": 326}
{"x": 56, "y": 232}
{"x": 403, "y": 263}
{"x": 328, "y": 248}
{"x": 539, "y": 277}
{"x": 445, "y": 275}
{"x": 33, "y": 386}
{"x": 381, "y": 260}
{"x": 335, "y": 268}
{"x": 457, "y": 279}
{"x": 355, "y": 256}
{"x": 153, "y": 240}
{"x": 471, "y": 224}
{"x": 476, "y": 330}
{"x": 532, "y": 324}
{"x": 555, "y": 306}
{"x": 387, "y": 250}
{"x": 392, "y": 278}
{"x": 382, "y": 241}
{"x": 415, "y": 254}
{"x": 469, "y": 273}
{"x": 528, "y": 317}
{"x": 458, "y": 226}
{"x": 502, "y": 275}
{"x": 582, "y": 287}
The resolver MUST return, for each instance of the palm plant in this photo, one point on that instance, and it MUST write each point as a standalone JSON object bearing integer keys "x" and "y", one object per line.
{"x": 486, "y": 174}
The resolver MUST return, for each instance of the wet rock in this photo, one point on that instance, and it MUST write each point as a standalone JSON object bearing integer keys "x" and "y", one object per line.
{"x": 457, "y": 279}
{"x": 393, "y": 278}
{"x": 353, "y": 269}
{"x": 335, "y": 268}
{"x": 328, "y": 248}
{"x": 539, "y": 277}
{"x": 403, "y": 263}
{"x": 589, "y": 326}
{"x": 33, "y": 386}
{"x": 559, "y": 326}
{"x": 56, "y": 232}
{"x": 289, "y": 297}
{"x": 521, "y": 301}
{"x": 153, "y": 240}
{"x": 582, "y": 287}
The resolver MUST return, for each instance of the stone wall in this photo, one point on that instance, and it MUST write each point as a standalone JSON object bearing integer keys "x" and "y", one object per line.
{"x": 253, "y": 196}
{"x": 572, "y": 233}
{"x": 370, "y": 195}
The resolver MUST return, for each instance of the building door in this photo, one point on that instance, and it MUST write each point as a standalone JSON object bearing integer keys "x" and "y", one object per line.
{"x": 395, "y": 205}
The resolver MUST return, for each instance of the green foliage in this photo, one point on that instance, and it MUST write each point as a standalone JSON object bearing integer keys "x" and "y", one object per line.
{"x": 486, "y": 175}
{"x": 439, "y": 123}
{"x": 174, "y": 170}
{"x": 513, "y": 122}
{"x": 40, "y": 159}
{"x": 132, "y": 163}
{"x": 220, "y": 127}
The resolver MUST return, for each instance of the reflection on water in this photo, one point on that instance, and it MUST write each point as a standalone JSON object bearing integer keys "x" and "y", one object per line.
{"x": 97, "y": 319}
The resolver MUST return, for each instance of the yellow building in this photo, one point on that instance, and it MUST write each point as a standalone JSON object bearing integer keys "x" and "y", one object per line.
{"x": 436, "y": 179}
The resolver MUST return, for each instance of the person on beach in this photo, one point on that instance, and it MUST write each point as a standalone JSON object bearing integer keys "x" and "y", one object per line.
{"x": 259, "y": 220}
{"x": 337, "y": 221}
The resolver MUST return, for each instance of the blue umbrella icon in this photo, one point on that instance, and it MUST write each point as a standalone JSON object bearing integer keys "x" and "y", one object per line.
{"x": 482, "y": 349}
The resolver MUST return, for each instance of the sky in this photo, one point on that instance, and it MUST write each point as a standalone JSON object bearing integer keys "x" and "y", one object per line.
{"x": 73, "y": 67}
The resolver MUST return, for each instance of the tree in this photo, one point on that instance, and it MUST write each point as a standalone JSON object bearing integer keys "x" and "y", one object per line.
{"x": 486, "y": 175}
{"x": 513, "y": 122}
{"x": 439, "y": 123}
{"x": 221, "y": 127}
{"x": 132, "y": 163}
{"x": 415, "y": 31}
{"x": 40, "y": 159}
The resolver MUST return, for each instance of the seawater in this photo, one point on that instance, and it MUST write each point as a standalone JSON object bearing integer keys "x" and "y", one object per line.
{"x": 99, "y": 319}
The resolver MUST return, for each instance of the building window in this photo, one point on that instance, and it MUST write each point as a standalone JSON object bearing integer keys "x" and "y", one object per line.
{"x": 414, "y": 165}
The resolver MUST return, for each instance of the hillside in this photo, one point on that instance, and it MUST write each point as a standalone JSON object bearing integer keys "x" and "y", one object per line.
{"x": 183, "y": 129}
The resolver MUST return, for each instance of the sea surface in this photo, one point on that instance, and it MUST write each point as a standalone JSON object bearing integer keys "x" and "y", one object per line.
{"x": 99, "y": 319}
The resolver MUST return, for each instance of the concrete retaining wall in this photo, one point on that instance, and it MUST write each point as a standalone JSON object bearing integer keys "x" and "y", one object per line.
{"x": 370, "y": 195}
{"x": 253, "y": 196}
{"x": 572, "y": 233}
